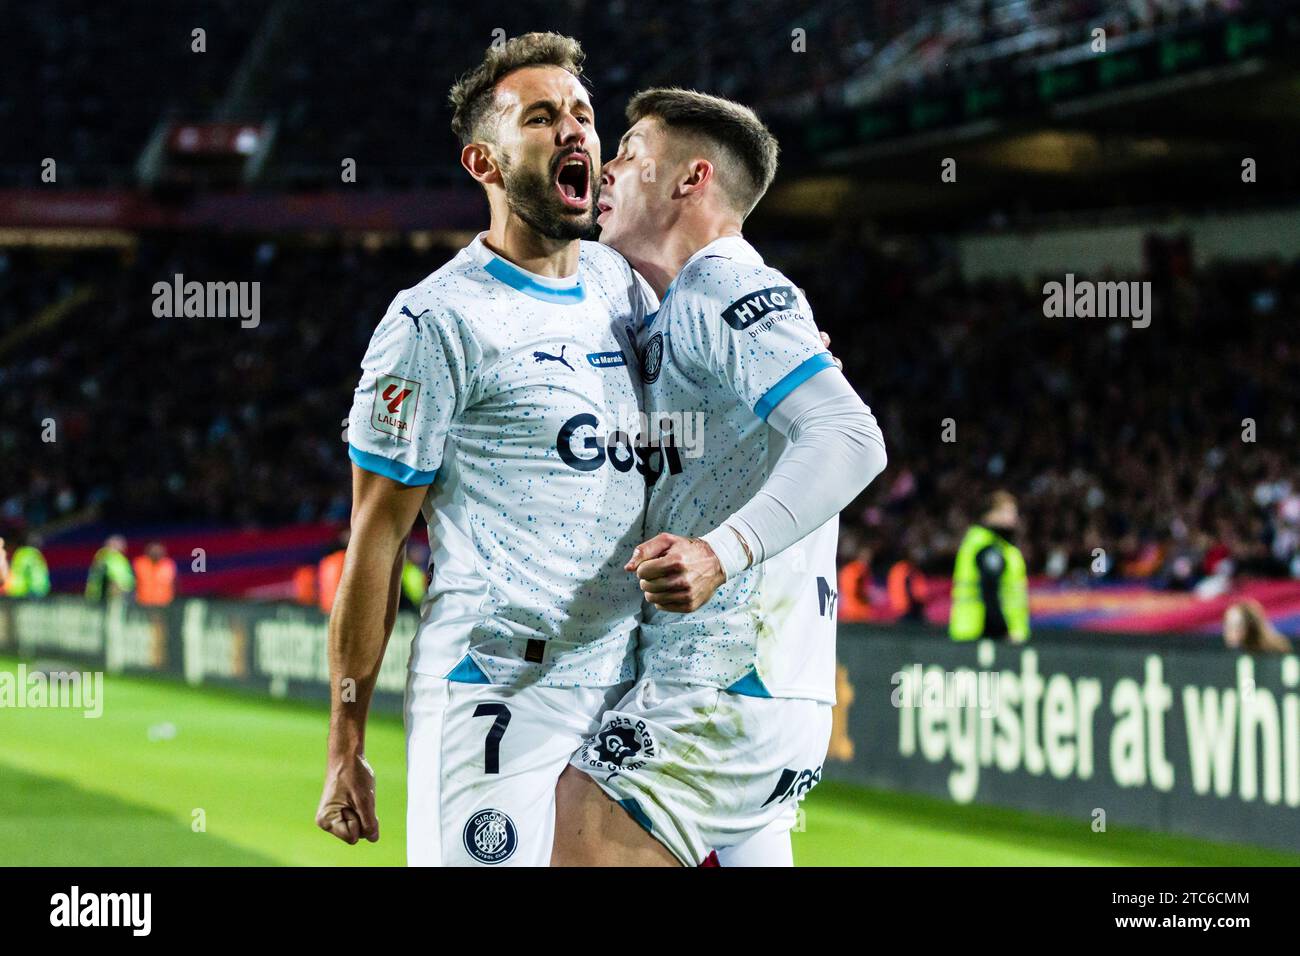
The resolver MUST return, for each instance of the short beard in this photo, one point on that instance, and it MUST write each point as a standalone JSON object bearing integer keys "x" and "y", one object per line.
{"x": 530, "y": 196}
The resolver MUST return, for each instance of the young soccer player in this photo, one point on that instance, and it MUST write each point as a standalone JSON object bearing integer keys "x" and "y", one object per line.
{"x": 728, "y": 723}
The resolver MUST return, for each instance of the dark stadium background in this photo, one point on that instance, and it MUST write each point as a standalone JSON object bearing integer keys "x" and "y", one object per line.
{"x": 227, "y": 165}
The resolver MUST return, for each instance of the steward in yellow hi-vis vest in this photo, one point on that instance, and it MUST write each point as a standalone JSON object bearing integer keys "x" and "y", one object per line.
{"x": 990, "y": 595}
{"x": 110, "y": 571}
{"x": 29, "y": 575}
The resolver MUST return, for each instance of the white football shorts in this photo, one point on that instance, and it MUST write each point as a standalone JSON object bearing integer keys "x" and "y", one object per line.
{"x": 703, "y": 769}
{"x": 482, "y": 764}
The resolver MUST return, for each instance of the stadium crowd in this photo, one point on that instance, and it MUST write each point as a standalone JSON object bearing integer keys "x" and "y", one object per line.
{"x": 274, "y": 63}
{"x": 54, "y": 61}
{"x": 228, "y": 424}
{"x": 1172, "y": 449}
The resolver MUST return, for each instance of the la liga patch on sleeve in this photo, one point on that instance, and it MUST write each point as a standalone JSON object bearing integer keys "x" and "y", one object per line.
{"x": 396, "y": 400}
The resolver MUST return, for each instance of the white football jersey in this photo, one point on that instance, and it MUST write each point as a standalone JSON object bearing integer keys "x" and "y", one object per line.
{"x": 501, "y": 391}
{"x": 730, "y": 340}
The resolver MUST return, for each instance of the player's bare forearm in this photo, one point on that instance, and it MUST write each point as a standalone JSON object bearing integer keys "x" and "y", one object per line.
{"x": 394, "y": 592}
{"x": 363, "y": 617}
{"x": 349, "y": 710}
{"x": 365, "y": 606}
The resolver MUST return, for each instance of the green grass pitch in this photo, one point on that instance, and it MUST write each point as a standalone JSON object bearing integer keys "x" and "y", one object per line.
{"x": 127, "y": 788}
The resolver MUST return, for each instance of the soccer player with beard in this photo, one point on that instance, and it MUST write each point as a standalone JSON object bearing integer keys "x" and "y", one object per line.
{"x": 489, "y": 400}
{"x": 728, "y": 723}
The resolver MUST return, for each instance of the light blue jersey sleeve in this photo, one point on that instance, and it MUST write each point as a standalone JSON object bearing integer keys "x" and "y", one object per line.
{"x": 750, "y": 327}
{"x": 415, "y": 381}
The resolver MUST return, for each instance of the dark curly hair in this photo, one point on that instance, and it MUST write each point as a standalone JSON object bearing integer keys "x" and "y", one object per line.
{"x": 471, "y": 96}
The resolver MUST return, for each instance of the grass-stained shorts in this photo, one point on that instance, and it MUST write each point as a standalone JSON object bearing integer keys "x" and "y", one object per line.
{"x": 702, "y": 768}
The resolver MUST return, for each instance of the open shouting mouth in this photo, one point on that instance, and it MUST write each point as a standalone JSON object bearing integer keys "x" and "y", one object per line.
{"x": 573, "y": 181}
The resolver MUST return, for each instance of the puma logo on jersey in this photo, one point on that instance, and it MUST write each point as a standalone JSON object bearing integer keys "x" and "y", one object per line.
{"x": 413, "y": 317}
{"x": 541, "y": 356}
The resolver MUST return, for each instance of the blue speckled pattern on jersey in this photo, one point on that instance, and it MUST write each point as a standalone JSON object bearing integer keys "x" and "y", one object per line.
{"x": 528, "y": 542}
{"x": 732, "y": 331}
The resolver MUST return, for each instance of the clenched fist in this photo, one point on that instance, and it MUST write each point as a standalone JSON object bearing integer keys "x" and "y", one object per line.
{"x": 347, "y": 807}
{"x": 676, "y": 574}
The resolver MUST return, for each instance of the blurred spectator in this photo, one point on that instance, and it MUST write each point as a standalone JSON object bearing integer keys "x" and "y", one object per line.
{"x": 854, "y": 586}
{"x": 1247, "y": 628}
{"x": 990, "y": 596}
{"x": 4, "y": 564}
{"x": 907, "y": 590}
{"x": 330, "y": 571}
{"x": 415, "y": 577}
{"x": 155, "y": 576}
{"x": 304, "y": 585}
{"x": 29, "y": 574}
{"x": 110, "y": 571}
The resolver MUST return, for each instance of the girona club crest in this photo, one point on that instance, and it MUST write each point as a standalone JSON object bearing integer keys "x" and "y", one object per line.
{"x": 490, "y": 837}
